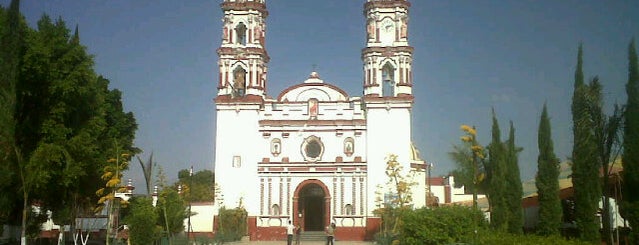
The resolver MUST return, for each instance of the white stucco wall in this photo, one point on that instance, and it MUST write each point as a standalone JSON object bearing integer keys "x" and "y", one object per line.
{"x": 237, "y": 130}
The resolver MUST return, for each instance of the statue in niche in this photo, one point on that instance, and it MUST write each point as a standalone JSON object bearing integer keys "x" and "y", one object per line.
{"x": 257, "y": 33}
{"x": 313, "y": 108}
{"x": 239, "y": 83}
{"x": 349, "y": 147}
{"x": 370, "y": 28}
{"x": 404, "y": 30}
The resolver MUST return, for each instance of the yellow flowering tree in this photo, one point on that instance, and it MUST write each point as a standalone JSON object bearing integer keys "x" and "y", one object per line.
{"x": 469, "y": 157}
{"x": 401, "y": 197}
{"x": 112, "y": 175}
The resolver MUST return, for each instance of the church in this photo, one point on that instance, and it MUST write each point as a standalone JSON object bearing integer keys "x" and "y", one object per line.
{"x": 311, "y": 154}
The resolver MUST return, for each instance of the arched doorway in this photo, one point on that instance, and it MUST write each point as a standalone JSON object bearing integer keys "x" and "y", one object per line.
{"x": 311, "y": 204}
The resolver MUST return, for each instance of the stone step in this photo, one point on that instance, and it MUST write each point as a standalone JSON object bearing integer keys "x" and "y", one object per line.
{"x": 313, "y": 236}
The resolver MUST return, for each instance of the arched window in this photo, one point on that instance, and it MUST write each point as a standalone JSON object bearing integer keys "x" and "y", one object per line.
{"x": 240, "y": 33}
{"x": 239, "y": 81}
{"x": 275, "y": 210}
{"x": 388, "y": 80}
{"x": 348, "y": 209}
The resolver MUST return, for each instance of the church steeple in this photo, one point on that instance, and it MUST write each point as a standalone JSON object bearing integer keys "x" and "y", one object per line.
{"x": 242, "y": 56}
{"x": 388, "y": 56}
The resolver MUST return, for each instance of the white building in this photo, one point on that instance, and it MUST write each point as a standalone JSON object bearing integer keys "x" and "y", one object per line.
{"x": 313, "y": 154}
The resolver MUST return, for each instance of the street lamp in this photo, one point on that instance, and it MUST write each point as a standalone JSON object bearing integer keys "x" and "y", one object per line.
{"x": 189, "y": 228}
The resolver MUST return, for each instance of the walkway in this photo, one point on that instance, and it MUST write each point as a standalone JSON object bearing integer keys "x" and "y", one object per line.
{"x": 303, "y": 243}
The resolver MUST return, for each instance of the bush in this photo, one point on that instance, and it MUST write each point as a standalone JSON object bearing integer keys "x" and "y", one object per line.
{"x": 494, "y": 238}
{"x": 141, "y": 221}
{"x": 444, "y": 225}
{"x": 456, "y": 225}
{"x": 231, "y": 224}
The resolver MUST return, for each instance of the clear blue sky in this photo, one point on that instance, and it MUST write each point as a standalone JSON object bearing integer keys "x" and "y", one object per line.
{"x": 469, "y": 56}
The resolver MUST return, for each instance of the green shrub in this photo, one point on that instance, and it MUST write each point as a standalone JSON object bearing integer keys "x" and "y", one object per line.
{"x": 141, "y": 221}
{"x": 495, "y": 238}
{"x": 231, "y": 224}
{"x": 444, "y": 225}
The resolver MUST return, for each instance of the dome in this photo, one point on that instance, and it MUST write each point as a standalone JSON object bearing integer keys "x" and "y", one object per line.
{"x": 313, "y": 88}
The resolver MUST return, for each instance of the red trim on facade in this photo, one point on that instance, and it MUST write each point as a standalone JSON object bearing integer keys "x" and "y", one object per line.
{"x": 299, "y": 169}
{"x": 350, "y": 233}
{"x": 373, "y": 225}
{"x": 245, "y": 6}
{"x": 447, "y": 197}
{"x": 371, "y": 85}
{"x": 399, "y": 98}
{"x": 275, "y": 169}
{"x": 326, "y": 169}
{"x": 249, "y": 98}
{"x": 246, "y": 51}
{"x": 277, "y": 123}
{"x": 388, "y": 50}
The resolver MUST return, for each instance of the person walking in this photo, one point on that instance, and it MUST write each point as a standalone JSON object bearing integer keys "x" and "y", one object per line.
{"x": 298, "y": 234}
{"x": 330, "y": 234}
{"x": 289, "y": 233}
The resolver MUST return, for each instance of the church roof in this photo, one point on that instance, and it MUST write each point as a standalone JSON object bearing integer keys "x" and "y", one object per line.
{"x": 313, "y": 88}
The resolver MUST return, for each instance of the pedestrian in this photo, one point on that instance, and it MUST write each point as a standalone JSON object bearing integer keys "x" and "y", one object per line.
{"x": 330, "y": 234}
{"x": 289, "y": 233}
{"x": 298, "y": 234}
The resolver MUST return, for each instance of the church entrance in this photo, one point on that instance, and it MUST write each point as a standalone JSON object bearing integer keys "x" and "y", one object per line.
{"x": 312, "y": 202}
{"x": 312, "y": 205}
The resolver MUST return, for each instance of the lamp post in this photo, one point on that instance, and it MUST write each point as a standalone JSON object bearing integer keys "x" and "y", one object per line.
{"x": 189, "y": 228}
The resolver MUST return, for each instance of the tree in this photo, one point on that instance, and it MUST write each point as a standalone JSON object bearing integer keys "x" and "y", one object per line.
{"x": 12, "y": 30}
{"x": 171, "y": 211}
{"x": 58, "y": 120}
{"x": 585, "y": 168}
{"x": 199, "y": 187}
{"x": 171, "y": 208}
{"x": 147, "y": 169}
{"x": 142, "y": 220}
{"x": 606, "y": 130}
{"x": 390, "y": 213}
{"x": 630, "y": 201}
{"x": 497, "y": 177}
{"x": 514, "y": 189}
{"x": 547, "y": 180}
{"x": 469, "y": 158}
{"x": 113, "y": 177}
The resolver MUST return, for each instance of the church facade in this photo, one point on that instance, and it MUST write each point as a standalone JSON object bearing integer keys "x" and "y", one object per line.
{"x": 312, "y": 154}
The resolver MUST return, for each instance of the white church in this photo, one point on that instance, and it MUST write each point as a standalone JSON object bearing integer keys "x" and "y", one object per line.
{"x": 312, "y": 154}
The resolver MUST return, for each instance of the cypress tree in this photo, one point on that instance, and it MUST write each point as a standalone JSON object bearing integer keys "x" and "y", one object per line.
{"x": 630, "y": 204}
{"x": 547, "y": 180}
{"x": 497, "y": 181}
{"x": 514, "y": 191}
{"x": 585, "y": 172}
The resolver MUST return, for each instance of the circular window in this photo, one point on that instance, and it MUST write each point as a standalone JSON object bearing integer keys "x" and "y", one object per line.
{"x": 312, "y": 149}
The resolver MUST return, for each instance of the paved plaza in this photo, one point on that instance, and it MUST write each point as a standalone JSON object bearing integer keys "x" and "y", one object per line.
{"x": 302, "y": 243}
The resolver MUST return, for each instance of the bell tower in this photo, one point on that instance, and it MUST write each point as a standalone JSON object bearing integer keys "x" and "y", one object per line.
{"x": 388, "y": 95}
{"x": 387, "y": 56}
{"x": 242, "y": 56}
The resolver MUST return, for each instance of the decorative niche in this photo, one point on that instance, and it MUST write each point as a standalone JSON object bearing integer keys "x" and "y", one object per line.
{"x": 349, "y": 146}
{"x": 276, "y": 147}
